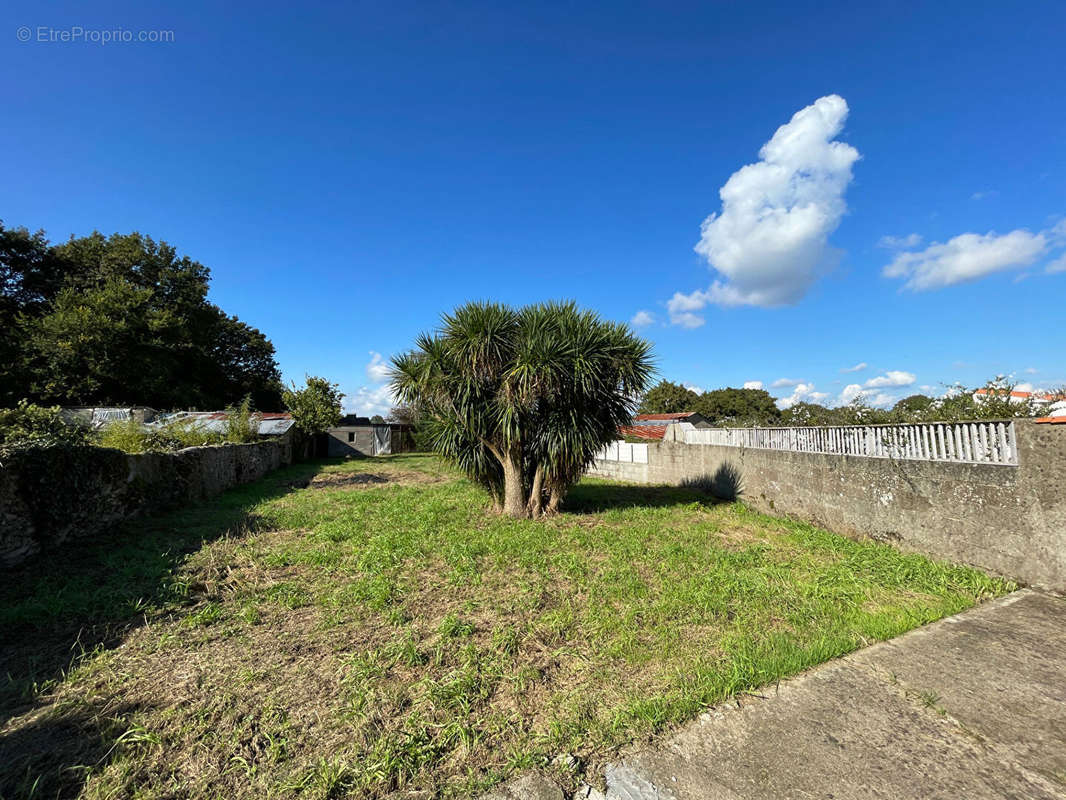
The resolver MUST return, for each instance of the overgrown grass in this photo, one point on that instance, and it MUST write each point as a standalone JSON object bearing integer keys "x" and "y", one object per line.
{"x": 360, "y": 638}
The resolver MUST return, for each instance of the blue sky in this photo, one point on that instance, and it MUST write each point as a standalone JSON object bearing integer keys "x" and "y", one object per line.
{"x": 349, "y": 171}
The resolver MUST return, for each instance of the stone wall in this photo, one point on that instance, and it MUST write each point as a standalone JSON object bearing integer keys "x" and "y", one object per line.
{"x": 1008, "y": 520}
{"x": 49, "y": 496}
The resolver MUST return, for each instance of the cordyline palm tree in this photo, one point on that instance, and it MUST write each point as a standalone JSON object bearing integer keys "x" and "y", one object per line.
{"x": 521, "y": 399}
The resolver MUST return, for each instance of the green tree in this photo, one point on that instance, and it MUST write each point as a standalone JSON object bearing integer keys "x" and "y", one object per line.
{"x": 316, "y": 407}
{"x": 121, "y": 319}
{"x": 912, "y": 408}
{"x": 377, "y": 419}
{"x": 668, "y": 398}
{"x": 738, "y": 407}
{"x": 521, "y": 399}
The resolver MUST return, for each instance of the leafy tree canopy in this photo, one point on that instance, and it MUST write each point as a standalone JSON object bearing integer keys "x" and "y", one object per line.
{"x": 123, "y": 320}
{"x": 738, "y": 407}
{"x": 521, "y": 399}
{"x": 316, "y": 407}
{"x": 668, "y": 398}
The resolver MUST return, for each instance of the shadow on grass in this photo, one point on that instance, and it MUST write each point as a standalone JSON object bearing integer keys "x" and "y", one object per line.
{"x": 87, "y": 596}
{"x": 592, "y": 498}
{"x": 51, "y": 755}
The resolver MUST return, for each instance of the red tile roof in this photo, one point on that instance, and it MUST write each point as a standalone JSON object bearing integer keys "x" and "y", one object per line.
{"x": 643, "y": 431}
{"x": 1052, "y": 420}
{"x": 663, "y": 417}
{"x": 1021, "y": 395}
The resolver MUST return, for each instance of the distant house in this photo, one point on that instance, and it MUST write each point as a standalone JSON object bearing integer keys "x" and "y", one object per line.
{"x": 358, "y": 436}
{"x": 271, "y": 423}
{"x": 98, "y": 416}
{"x": 653, "y": 426}
{"x": 1042, "y": 398}
{"x": 650, "y": 432}
{"x": 693, "y": 418}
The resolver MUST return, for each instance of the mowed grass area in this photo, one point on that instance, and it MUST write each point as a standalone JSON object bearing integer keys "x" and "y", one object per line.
{"x": 376, "y": 632}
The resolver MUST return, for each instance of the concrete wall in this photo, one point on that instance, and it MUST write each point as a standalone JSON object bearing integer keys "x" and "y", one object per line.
{"x": 1008, "y": 520}
{"x": 350, "y": 441}
{"x": 358, "y": 440}
{"x": 49, "y": 496}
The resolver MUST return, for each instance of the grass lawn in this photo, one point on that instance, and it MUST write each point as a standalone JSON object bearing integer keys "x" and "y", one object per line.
{"x": 366, "y": 628}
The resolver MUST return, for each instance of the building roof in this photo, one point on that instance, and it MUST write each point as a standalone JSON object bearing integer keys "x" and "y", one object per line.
{"x": 271, "y": 423}
{"x": 1045, "y": 396}
{"x": 643, "y": 431}
{"x": 666, "y": 418}
{"x": 1052, "y": 420}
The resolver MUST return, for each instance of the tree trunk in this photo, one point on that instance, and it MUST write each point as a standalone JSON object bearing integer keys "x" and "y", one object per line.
{"x": 555, "y": 499}
{"x": 514, "y": 493}
{"x": 536, "y": 497}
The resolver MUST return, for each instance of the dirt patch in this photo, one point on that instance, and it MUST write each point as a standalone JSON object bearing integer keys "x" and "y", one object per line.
{"x": 339, "y": 480}
{"x": 359, "y": 480}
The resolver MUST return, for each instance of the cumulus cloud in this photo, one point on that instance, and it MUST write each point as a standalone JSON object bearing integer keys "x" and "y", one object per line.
{"x": 378, "y": 369}
{"x": 681, "y": 308}
{"x": 785, "y": 382}
{"x": 1058, "y": 265}
{"x": 900, "y": 242}
{"x": 369, "y": 400}
{"x": 752, "y": 384}
{"x": 857, "y": 368}
{"x": 802, "y": 393}
{"x": 642, "y": 319}
{"x": 849, "y": 393}
{"x": 693, "y": 388}
{"x": 894, "y": 377}
{"x": 877, "y": 398}
{"x": 1031, "y": 370}
{"x": 769, "y": 243}
{"x": 966, "y": 257}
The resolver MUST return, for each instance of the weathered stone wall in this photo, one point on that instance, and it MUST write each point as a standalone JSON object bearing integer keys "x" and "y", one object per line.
{"x": 48, "y": 496}
{"x": 1008, "y": 520}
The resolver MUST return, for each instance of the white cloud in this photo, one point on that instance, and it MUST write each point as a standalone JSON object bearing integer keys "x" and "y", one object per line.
{"x": 369, "y": 400}
{"x": 881, "y": 400}
{"x": 894, "y": 377}
{"x": 876, "y": 399}
{"x": 1024, "y": 387}
{"x": 857, "y": 368}
{"x": 752, "y": 384}
{"x": 785, "y": 382}
{"x": 1058, "y": 265}
{"x": 681, "y": 307}
{"x": 378, "y": 369}
{"x": 966, "y": 257}
{"x": 770, "y": 240}
{"x": 900, "y": 242}
{"x": 693, "y": 388}
{"x": 642, "y": 319}
{"x": 849, "y": 393}
{"x": 802, "y": 393}
{"x": 1032, "y": 370}
{"x": 984, "y": 194}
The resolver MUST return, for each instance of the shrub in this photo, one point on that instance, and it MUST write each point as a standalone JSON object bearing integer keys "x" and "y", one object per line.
{"x": 316, "y": 407}
{"x": 127, "y": 435}
{"x": 242, "y": 425}
{"x": 31, "y": 425}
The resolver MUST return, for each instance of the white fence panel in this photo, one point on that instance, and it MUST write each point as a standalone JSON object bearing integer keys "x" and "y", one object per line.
{"x": 627, "y": 452}
{"x": 960, "y": 442}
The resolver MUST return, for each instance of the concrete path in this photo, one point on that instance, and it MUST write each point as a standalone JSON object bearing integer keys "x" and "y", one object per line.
{"x": 973, "y": 706}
